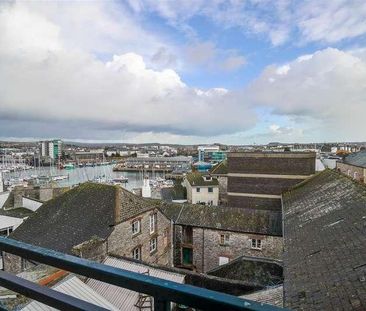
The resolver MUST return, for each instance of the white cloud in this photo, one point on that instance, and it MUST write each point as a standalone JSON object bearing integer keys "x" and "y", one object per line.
{"x": 329, "y": 87}
{"x": 52, "y": 82}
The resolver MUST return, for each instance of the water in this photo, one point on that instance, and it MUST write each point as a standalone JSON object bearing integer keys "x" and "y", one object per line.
{"x": 83, "y": 174}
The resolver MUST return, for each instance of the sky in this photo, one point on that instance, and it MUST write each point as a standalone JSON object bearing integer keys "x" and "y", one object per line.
{"x": 187, "y": 72}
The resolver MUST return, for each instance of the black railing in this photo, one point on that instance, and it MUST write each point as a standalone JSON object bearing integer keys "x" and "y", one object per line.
{"x": 163, "y": 291}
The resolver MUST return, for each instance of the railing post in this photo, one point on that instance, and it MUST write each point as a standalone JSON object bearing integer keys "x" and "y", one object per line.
{"x": 161, "y": 305}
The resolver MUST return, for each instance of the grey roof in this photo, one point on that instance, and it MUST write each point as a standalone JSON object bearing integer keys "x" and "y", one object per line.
{"x": 74, "y": 217}
{"x": 225, "y": 218}
{"x": 356, "y": 159}
{"x": 19, "y": 212}
{"x": 325, "y": 244}
{"x": 258, "y": 271}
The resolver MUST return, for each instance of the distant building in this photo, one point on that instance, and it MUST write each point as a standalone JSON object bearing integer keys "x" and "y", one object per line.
{"x": 51, "y": 148}
{"x": 257, "y": 179}
{"x": 325, "y": 244}
{"x": 91, "y": 156}
{"x": 211, "y": 154}
{"x": 354, "y": 165}
{"x": 202, "y": 189}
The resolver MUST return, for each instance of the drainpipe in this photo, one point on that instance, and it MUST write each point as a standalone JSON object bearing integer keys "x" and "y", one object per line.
{"x": 203, "y": 250}
{"x": 172, "y": 238}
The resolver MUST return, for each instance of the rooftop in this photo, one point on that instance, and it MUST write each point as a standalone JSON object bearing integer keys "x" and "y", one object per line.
{"x": 225, "y": 218}
{"x": 324, "y": 259}
{"x": 197, "y": 179}
{"x": 220, "y": 169}
{"x": 356, "y": 159}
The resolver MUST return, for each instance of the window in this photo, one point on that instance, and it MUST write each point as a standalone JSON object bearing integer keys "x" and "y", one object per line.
{"x": 210, "y": 189}
{"x": 153, "y": 218}
{"x": 136, "y": 253}
{"x": 187, "y": 254}
{"x": 136, "y": 227}
{"x": 223, "y": 260}
{"x": 153, "y": 245}
{"x": 187, "y": 234}
{"x": 208, "y": 178}
{"x": 6, "y": 231}
{"x": 224, "y": 239}
{"x": 198, "y": 189}
{"x": 256, "y": 244}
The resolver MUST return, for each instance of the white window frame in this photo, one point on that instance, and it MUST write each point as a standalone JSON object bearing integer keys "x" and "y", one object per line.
{"x": 256, "y": 244}
{"x": 136, "y": 253}
{"x": 226, "y": 239}
{"x": 138, "y": 222}
{"x": 153, "y": 245}
{"x": 198, "y": 189}
{"x": 208, "y": 189}
{"x": 152, "y": 222}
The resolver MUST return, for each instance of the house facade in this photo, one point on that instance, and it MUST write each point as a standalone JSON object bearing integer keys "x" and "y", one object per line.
{"x": 202, "y": 189}
{"x": 354, "y": 165}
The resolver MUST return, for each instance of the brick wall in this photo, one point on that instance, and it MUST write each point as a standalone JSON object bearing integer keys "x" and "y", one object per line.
{"x": 207, "y": 248}
{"x": 121, "y": 242}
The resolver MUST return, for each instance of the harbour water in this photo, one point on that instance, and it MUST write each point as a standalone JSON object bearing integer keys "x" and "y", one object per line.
{"x": 83, "y": 174}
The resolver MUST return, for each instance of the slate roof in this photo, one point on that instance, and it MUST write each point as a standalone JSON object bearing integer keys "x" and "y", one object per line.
{"x": 76, "y": 216}
{"x": 19, "y": 212}
{"x": 225, "y": 218}
{"x": 356, "y": 159}
{"x": 271, "y": 295}
{"x": 196, "y": 179}
{"x": 220, "y": 169}
{"x": 260, "y": 271}
{"x": 325, "y": 244}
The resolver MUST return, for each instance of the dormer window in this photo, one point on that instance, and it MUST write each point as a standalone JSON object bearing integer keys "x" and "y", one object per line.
{"x": 208, "y": 178}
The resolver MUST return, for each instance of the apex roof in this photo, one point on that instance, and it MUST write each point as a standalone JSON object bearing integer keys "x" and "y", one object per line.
{"x": 325, "y": 243}
{"x": 356, "y": 159}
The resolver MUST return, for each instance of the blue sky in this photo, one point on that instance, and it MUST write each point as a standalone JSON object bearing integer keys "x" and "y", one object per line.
{"x": 199, "y": 71}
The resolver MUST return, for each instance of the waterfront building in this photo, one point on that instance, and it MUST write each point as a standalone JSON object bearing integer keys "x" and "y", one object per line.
{"x": 211, "y": 154}
{"x": 201, "y": 189}
{"x": 354, "y": 165}
{"x": 51, "y": 149}
{"x": 257, "y": 179}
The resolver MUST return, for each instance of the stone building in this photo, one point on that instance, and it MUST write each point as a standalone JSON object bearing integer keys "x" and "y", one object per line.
{"x": 257, "y": 179}
{"x": 354, "y": 165}
{"x": 202, "y": 189}
{"x": 207, "y": 236}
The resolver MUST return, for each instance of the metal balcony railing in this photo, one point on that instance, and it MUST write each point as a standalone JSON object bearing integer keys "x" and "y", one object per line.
{"x": 163, "y": 291}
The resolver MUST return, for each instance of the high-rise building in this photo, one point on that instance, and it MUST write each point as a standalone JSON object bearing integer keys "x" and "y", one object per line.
{"x": 51, "y": 148}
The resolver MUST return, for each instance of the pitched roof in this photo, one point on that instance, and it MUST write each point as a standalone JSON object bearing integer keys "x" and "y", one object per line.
{"x": 196, "y": 179}
{"x": 76, "y": 216}
{"x": 220, "y": 169}
{"x": 225, "y": 218}
{"x": 325, "y": 243}
{"x": 272, "y": 295}
{"x": 356, "y": 159}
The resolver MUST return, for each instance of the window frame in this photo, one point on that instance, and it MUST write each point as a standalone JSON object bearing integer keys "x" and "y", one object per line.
{"x": 153, "y": 242}
{"x": 198, "y": 189}
{"x": 138, "y": 221}
{"x": 138, "y": 249}
{"x": 210, "y": 190}
{"x": 224, "y": 238}
{"x": 256, "y": 244}
{"x": 153, "y": 222}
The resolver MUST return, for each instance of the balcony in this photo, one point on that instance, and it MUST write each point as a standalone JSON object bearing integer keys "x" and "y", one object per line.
{"x": 164, "y": 292}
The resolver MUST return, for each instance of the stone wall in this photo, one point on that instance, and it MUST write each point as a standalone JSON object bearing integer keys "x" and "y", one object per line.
{"x": 357, "y": 173}
{"x": 121, "y": 242}
{"x": 94, "y": 249}
{"x": 207, "y": 248}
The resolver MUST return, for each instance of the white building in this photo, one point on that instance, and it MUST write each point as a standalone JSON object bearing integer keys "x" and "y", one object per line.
{"x": 202, "y": 189}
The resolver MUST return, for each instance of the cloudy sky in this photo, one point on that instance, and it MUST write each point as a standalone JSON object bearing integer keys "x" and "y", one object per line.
{"x": 189, "y": 71}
